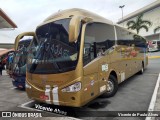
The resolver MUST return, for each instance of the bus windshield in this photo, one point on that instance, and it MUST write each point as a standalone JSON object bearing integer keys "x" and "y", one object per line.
{"x": 20, "y": 57}
{"x": 54, "y": 53}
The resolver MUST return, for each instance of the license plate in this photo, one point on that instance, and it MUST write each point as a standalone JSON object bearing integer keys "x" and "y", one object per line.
{"x": 20, "y": 86}
{"x": 44, "y": 97}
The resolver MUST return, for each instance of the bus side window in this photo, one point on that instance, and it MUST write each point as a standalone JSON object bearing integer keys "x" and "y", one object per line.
{"x": 124, "y": 37}
{"x": 101, "y": 37}
{"x": 88, "y": 53}
{"x": 140, "y": 42}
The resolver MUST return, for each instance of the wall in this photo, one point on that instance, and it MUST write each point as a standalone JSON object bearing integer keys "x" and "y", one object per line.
{"x": 153, "y": 16}
{"x": 6, "y": 45}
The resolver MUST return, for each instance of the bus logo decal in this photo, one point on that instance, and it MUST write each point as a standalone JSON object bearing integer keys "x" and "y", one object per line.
{"x": 105, "y": 67}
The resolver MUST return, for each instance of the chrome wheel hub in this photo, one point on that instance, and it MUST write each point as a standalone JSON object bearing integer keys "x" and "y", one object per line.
{"x": 110, "y": 86}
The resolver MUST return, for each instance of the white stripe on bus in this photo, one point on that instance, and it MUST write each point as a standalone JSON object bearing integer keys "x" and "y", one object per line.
{"x": 55, "y": 96}
{"x": 47, "y": 93}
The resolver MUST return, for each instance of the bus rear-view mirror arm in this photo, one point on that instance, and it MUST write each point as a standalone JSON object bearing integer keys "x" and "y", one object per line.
{"x": 74, "y": 27}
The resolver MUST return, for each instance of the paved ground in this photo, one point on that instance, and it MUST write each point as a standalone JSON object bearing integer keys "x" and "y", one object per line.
{"x": 157, "y": 105}
{"x": 133, "y": 95}
{"x": 156, "y": 62}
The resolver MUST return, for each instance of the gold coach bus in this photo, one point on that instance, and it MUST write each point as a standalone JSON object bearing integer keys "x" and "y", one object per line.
{"x": 80, "y": 55}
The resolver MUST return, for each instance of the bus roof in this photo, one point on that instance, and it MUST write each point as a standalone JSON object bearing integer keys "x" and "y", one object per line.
{"x": 76, "y": 11}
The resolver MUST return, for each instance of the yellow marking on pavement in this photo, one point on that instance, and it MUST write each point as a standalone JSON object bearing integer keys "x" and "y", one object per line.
{"x": 153, "y": 57}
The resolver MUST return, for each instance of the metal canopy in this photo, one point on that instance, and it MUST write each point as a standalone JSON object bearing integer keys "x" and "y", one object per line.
{"x": 5, "y": 21}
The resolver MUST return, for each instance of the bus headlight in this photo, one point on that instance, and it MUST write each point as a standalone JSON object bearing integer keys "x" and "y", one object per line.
{"x": 72, "y": 88}
{"x": 27, "y": 85}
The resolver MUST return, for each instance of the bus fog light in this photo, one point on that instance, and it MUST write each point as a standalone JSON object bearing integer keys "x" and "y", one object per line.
{"x": 72, "y": 88}
{"x": 27, "y": 86}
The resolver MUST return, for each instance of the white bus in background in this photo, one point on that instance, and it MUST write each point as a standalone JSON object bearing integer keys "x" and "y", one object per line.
{"x": 154, "y": 45}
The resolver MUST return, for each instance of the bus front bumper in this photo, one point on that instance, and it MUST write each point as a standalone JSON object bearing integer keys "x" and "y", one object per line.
{"x": 19, "y": 82}
{"x": 51, "y": 97}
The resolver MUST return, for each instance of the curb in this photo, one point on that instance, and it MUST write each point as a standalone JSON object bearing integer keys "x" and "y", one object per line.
{"x": 153, "y": 57}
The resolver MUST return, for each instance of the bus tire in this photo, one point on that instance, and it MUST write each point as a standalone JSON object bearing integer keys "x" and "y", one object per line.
{"x": 142, "y": 69}
{"x": 112, "y": 86}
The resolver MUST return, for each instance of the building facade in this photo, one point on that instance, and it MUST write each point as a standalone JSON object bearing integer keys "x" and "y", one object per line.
{"x": 6, "y": 22}
{"x": 151, "y": 13}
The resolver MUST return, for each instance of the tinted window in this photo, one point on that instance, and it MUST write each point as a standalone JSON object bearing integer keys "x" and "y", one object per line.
{"x": 124, "y": 37}
{"x": 20, "y": 57}
{"x": 139, "y": 41}
{"x": 54, "y": 53}
{"x": 98, "y": 39}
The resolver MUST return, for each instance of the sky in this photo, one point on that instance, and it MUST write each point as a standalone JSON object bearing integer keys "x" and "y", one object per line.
{"x": 28, "y": 14}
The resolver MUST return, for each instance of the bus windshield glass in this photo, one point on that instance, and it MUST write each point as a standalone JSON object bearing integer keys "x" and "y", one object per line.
{"x": 20, "y": 57}
{"x": 54, "y": 53}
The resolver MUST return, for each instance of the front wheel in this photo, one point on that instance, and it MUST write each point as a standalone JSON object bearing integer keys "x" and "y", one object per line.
{"x": 112, "y": 86}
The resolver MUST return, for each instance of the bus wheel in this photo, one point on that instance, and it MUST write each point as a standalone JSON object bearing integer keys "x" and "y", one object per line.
{"x": 142, "y": 69}
{"x": 112, "y": 86}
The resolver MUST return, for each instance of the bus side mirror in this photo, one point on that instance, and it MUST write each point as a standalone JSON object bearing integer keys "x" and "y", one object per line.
{"x": 20, "y": 36}
{"x": 74, "y": 28}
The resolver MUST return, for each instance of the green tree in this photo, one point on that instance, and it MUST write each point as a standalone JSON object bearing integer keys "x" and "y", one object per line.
{"x": 157, "y": 29}
{"x": 139, "y": 24}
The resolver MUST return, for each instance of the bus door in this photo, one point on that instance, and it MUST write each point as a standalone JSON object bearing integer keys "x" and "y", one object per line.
{"x": 90, "y": 63}
{"x": 103, "y": 72}
{"x": 100, "y": 38}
